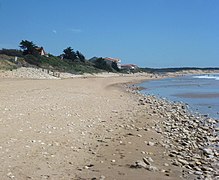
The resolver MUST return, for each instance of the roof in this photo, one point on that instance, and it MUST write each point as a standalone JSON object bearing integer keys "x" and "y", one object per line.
{"x": 41, "y": 50}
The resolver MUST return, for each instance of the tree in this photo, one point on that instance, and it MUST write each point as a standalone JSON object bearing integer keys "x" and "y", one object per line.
{"x": 80, "y": 56}
{"x": 69, "y": 54}
{"x": 115, "y": 66}
{"x": 101, "y": 64}
{"x": 28, "y": 47}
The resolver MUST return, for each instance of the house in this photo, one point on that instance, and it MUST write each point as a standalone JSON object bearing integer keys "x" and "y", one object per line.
{"x": 42, "y": 52}
{"x": 111, "y": 60}
{"x": 129, "y": 66}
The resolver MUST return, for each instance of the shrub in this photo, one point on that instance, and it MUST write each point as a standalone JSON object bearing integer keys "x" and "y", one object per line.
{"x": 34, "y": 60}
{"x": 101, "y": 64}
{"x": 12, "y": 52}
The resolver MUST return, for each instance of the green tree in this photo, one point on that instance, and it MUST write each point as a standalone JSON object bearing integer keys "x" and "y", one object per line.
{"x": 115, "y": 66}
{"x": 80, "y": 56}
{"x": 28, "y": 47}
{"x": 69, "y": 54}
{"x": 101, "y": 64}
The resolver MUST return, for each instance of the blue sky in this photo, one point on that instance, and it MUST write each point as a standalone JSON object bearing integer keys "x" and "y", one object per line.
{"x": 150, "y": 33}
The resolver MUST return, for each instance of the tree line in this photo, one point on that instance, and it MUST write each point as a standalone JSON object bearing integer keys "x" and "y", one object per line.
{"x": 30, "y": 52}
{"x": 29, "y": 47}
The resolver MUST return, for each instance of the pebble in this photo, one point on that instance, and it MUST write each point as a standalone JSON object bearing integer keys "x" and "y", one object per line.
{"x": 190, "y": 139}
{"x": 165, "y": 164}
{"x": 182, "y": 161}
{"x": 150, "y": 143}
{"x": 146, "y": 161}
{"x": 140, "y": 164}
{"x": 139, "y": 135}
{"x": 102, "y": 177}
{"x": 208, "y": 151}
{"x": 152, "y": 168}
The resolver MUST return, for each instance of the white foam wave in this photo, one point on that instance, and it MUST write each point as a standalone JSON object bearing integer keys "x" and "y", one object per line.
{"x": 215, "y": 77}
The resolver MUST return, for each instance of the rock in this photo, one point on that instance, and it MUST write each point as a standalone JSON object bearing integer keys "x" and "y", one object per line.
{"x": 208, "y": 151}
{"x": 139, "y": 164}
{"x": 184, "y": 135}
{"x": 165, "y": 164}
{"x": 182, "y": 161}
{"x": 146, "y": 161}
{"x": 198, "y": 173}
{"x": 102, "y": 177}
{"x": 113, "y": 161}
{"x": 151, "y": 168}
{"x": 114, "y": 111}
{"x": 175, "y": 163}
{"x": 150, "y": 143}
{"x": 206, "y": 168}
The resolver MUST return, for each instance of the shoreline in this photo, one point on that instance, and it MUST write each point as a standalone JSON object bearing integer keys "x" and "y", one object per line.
{"x": 200, "y": 157}
{"x": 65, "y": 129}
{"x": 192, "y": 139}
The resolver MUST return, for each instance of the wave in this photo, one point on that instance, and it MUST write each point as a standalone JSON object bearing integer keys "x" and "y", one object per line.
{"x": 215, "y": 77}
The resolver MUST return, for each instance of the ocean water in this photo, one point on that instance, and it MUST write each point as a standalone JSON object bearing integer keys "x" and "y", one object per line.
{"x": 200, "y": 92}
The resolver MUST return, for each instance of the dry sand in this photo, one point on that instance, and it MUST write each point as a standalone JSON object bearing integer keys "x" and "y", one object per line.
{"x": 82, "y": 128}
{"x": 75, "y": 129}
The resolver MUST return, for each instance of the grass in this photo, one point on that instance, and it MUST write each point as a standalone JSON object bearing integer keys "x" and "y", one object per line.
{"x": 6, "y": 62}
{"x": 52, "y": 63}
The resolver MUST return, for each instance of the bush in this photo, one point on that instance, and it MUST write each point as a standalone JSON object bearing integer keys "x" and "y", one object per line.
{"x": 34, "y": 60}
{"x": 12, "y": 52}
{"x": 101, "y": 64}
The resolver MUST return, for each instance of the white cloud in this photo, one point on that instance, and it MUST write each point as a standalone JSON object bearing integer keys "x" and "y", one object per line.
{"x": 54, "y": 31}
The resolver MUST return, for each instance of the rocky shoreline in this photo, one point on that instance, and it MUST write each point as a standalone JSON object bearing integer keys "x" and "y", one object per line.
{"x": 190, "y": 140}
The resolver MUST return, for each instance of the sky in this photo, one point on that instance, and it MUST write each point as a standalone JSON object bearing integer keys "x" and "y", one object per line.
{"x": 149, "y": 33}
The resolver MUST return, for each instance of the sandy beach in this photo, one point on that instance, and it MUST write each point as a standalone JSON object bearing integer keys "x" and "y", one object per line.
{"x": 82, "y": 128}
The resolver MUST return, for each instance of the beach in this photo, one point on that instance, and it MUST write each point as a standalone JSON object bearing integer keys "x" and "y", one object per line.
{"x": 95, "y": 128}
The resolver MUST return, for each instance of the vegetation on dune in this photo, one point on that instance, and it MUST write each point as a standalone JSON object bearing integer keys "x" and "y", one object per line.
{"x": 6, "y": 62}
{"x": 11, "y": 52}
{"x": 28, "y": 47}
{"x": 101, "y": 64}
{"x": 30, "y": 55}
{"x": 70, "y": 61}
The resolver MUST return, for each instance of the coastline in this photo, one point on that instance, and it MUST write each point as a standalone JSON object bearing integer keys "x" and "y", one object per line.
{"x": 65, "y": 129}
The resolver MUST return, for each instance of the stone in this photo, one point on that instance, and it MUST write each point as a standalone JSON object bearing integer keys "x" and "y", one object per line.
{"x": 208, "y": 151}
{"x": 102, "y": 177}
{"x": 139, "y": 135}
{"x": 182, "y": 161}
{"x": 165, "y": 164}
{"x": 175, "y": 163}
{"x": 139, "y": 164}
{"x": 151, "y": 168}
{"x": 198, "y": 173}
{"x": 150, "y": 143}
{"x": 146, "y": 161}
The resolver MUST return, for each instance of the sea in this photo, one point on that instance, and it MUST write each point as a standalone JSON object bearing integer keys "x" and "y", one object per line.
{"x": 200, "y": 92}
